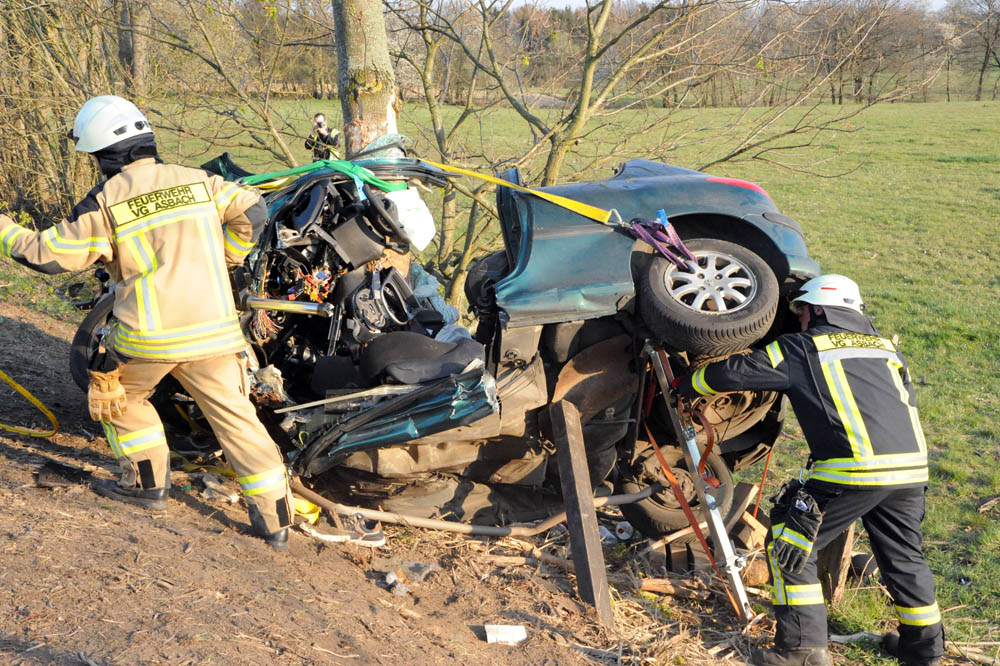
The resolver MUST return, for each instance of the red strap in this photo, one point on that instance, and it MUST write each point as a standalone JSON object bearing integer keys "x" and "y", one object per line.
{"x": 679, "y": 494}
{"x": 763, "y": 478}
{"x": 710, "y": 434}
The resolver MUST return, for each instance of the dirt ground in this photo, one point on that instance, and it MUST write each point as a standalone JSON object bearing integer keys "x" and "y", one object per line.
{"x": 86, "y": 580}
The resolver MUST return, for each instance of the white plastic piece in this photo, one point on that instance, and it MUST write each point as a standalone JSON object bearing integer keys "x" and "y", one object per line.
{"x": 105, "y": 120}
{"x": 624, "y": 530}
{"x": 415, "y": 217}
{"x": 507, "y": 634}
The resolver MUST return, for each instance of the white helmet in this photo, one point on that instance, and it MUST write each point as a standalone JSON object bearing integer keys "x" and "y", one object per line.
{"x": 106, "y": 120}
{"x": 831, "y": 291}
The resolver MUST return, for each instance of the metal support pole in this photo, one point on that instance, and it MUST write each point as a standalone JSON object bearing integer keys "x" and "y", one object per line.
{"x": 724, "y": 553}
{"x": 585, "y": 539}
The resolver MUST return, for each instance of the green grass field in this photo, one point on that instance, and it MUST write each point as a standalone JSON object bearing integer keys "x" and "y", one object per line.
{"x": 914, "y": 221}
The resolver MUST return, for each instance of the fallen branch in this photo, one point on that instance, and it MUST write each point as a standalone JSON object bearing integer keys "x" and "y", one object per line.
{"x": 972, "y": 654}
{"x": 668, "y": 587}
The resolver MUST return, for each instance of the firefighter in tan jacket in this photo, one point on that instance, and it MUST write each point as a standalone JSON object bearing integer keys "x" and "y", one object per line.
{"x": 167, "y": 234}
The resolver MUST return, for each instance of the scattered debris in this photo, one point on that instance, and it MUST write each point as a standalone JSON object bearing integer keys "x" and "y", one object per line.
{"x": 55, "y": 474}
{"x": 215, "y": 488}
{"x": 863, "y": 567}
{"x": 506, "y": 634}
{"x": 399, "y": 577}
{"x": 989, "y": 504}
{"x": 624, "y": 530}
{"x": 269, "y": 386}
{"x": 324, "y": 531}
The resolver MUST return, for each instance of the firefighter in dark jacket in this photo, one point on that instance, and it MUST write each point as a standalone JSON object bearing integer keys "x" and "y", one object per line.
{"x": 321, "y": 139}
{"x": 852, "y": 394}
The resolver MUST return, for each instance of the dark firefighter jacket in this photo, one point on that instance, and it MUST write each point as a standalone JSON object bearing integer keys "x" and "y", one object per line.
{"x": 320, "y": 145}
{"x": 167, "y": 234}
{"x": 853, "y": 398}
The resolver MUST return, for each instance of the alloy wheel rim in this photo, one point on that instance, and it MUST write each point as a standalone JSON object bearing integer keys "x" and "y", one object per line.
{"x": 715, "y": 284}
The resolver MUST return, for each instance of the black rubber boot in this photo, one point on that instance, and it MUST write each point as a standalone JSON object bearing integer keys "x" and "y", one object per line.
{"x": 155, "y": 499}
{"x": 791, "y": 657}
{"x": 277, "y": 540}
{"x": 890, "y": 643}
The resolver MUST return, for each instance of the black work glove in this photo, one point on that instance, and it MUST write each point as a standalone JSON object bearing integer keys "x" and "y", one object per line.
{"x": 793, "y": 537}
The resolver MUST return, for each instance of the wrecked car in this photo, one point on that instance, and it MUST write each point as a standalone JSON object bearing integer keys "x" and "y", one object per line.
{"x": 373, "y": 393}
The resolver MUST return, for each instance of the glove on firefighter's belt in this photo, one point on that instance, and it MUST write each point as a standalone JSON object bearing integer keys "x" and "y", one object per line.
{"x": 105, "y": 395}
{"x": 793, "y": 533}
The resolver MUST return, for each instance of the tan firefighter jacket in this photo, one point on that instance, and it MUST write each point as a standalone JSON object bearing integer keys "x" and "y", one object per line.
{"x": 167, "y": 234}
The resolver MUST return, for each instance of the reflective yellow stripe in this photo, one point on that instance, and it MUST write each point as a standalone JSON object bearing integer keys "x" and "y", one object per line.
{"x": 171, "y": 335}
{"x": 778, "y": 591}
{"x": 172, "y": 217}
{"x": 904, "y": 397}
{"x": 145, "y": 290}
{"x": 699, "y": 384}
{"x": 235, "y": 244}
{"x": 921, "y": 616}
{"x": 592, "y": 212}
{"x": 9, "y": 235}
{"x": 197, "y": 340}
{"x": 796, "y": 539}
{"x": 873, "y": 463}
{"x": 228, "y": 340}
{"x": 841, "y": 340}
{"x": 257, "y": 484}
{"x": 804, "y": 595}
{"x": 112, "y": 437}
{"x": 225, "y": 197}
{"x": 847, "y": 409}
{"x": 141, "y": 440}
{"x": 216, "y": 261}
{"x": 60, "y": 245}
{"x": 774, "y": 353}
{"x": 867, "y": 478}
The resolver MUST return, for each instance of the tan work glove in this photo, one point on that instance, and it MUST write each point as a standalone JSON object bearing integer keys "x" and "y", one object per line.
{"x": 105, "y": 395}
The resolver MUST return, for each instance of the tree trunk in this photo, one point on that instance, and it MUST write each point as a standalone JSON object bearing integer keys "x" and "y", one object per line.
{"x": 366, "y": 81}
{"x": 982, "y": 73}
{"x": 449, "y": 214}
{"x": 947, "y": 79}
{"x": 133, "y": 45}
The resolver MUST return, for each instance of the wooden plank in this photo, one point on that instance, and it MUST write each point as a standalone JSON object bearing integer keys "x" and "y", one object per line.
{"x": 581, "y": 515}
{"x": 744, "y": 494}
{"x": 759, "y": 530}
{"x": 677, "y": 556}
{"x": 833, "y": 563}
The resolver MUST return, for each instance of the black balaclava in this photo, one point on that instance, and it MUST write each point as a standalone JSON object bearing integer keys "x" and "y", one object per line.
{"x": 845, "y": 318}
{"x": 117, "y": 155}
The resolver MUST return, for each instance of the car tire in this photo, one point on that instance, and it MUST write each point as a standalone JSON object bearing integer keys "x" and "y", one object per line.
{"x": 702, "y": 313}
{"x": 87, "y": 340}
{"x": 661, "y": 514}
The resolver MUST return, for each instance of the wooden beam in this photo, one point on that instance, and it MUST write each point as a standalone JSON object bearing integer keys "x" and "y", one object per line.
{"x": 581, "y": 515}
{"x": 833, "y": 563}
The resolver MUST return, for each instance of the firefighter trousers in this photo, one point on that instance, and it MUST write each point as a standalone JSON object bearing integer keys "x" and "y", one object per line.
{"x": 892, "y": 518}
{"x": 220, "y": 387}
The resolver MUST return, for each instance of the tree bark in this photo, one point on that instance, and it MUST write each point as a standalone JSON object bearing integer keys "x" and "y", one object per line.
{"x": 133, "y": 45}
{"x": 366, "y": 80}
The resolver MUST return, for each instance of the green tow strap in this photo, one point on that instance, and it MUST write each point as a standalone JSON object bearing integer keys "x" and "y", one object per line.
{"x": 343, "y": 166}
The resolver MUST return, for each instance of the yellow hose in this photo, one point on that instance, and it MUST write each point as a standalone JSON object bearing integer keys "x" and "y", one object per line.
{"x": 37, "y": 403}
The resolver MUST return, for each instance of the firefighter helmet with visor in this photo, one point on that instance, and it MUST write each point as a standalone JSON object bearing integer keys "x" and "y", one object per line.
{"x": 104, "y": 121}
{"x": 829, "y": 290}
